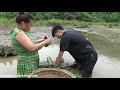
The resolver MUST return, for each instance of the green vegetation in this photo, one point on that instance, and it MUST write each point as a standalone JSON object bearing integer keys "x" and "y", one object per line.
{"x": 7, "y": 19}
{"x": 77, "y": 75}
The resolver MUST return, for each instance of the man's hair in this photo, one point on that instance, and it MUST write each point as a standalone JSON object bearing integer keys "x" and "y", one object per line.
{"x": 56, "y": 28}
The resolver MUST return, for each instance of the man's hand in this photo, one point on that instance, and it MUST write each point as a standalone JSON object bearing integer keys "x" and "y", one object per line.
{"x": 58, "y": 60}
{"x": 54, "y": 66}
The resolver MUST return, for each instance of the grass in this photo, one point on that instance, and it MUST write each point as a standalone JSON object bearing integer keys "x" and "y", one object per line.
{"x": 77, "y": 75}
{"x": 7, "y": 23}
{"x": 10, "y": 23}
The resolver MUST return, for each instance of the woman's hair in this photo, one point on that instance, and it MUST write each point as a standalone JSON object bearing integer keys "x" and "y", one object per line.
{"x": 23, "y": 16}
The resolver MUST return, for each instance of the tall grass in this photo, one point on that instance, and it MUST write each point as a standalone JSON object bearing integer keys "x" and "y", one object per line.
{"x": 7, "y": 21}
{"x": 53, "y": 22}
{"x": 10, "y": 23}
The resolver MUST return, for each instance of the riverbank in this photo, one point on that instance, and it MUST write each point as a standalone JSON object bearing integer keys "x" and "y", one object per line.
{"x": 112, "y": 34}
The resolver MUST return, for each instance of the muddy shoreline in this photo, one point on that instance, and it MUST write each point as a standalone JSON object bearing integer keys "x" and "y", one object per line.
{"x": 112, "y": 34}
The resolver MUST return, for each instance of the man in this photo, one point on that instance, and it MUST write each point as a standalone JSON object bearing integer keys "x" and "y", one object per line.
{"x": 79, "y": 47}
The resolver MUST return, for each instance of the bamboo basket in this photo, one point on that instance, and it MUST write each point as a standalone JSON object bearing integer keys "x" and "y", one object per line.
{"x": 51, "y": 73}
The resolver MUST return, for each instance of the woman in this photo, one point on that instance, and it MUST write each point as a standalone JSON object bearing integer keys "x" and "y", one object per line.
{"x": 26, "y": 49}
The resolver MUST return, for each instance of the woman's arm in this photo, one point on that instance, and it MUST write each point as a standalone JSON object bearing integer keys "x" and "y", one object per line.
{"x": 25, "y": 41}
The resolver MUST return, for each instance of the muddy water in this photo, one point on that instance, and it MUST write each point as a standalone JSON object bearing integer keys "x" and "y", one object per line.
{"x": 107, "y": 66}
{"x": 8, "y": 67}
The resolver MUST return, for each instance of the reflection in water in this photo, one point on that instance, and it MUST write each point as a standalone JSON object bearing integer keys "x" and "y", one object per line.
{"x": 53, "y": 51}
{"x": 8, "y": 67}
{"x": 105, "y": 46}
{"x": 7, "y": 60}
{"x": 106, "y": 68}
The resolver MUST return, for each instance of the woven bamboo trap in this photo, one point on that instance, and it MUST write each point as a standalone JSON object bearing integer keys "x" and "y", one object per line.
{"x": 51, "y": 73}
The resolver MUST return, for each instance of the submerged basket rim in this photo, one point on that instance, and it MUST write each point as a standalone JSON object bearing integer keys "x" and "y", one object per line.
{"x": 52, "y": 69}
